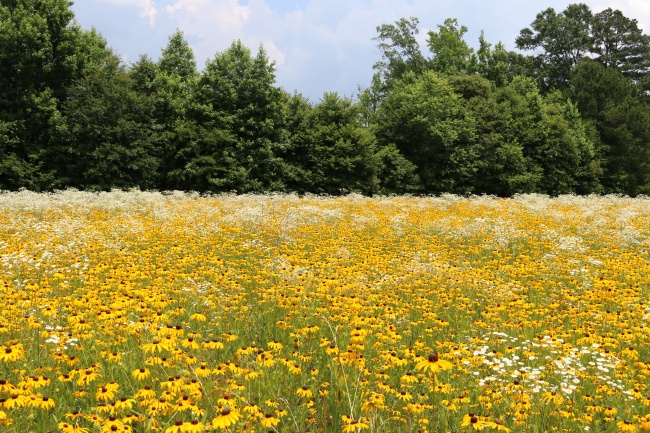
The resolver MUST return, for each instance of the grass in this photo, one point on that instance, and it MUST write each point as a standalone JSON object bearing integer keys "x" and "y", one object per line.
{"x": 179, "y": 313}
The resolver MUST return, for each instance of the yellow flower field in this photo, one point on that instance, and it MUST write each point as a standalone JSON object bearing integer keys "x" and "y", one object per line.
{"x": 178, "y": 313}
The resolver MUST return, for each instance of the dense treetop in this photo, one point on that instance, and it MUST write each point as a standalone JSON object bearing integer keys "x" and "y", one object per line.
{"x": 567, "y": 113}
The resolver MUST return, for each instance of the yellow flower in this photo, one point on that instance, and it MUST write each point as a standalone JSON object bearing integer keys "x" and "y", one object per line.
{"x": 145, "y": 393}
{"x": 404, "y": 396}
{"x": 408, "y": 378}
{"x": 269, "y": 421}
{"x": 44, "y": 403}
{"x": 434, "y": 364}
{"x": 65, "y": 427}
{"x": 12, "y": 353}
{"x": 16, "y": 400}
{"x": 199, "y": 317}
{"x": 87, "y": 376}
{"x": 226, "y": 418}
{"x": 354, "y": 425}
{"x": 498, "y": 425}
{"x": 552, "y": 397}
{"x": 124, "y": 403}
{"x": 473, "y": 421}
{"x": 104, "y": 394}
{"x": 626, "y": 426}
{"x": 294, "y": 368}
{"x": 193, "y": 426}
{"x": 156, "y": 346}
{"x": 176, "y": 428}
{"x": 6, "y": 387}
{"x": 141, "y": 373}
{"x": 110, "y": 423}
{"x": 304, "y": 392}
{"x": 645, "y": 424}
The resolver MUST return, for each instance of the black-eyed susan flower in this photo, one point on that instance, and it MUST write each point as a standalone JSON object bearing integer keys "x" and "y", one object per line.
{"x": 15, "y": 401}
{"x": 194, "y": 426}
{"x": 156, "y": 346}
{"x": 433, "y": 363}
{"x": 473, "y": 421}
{"x": 626, "y": 426}
{"x": 610, "y": 411}
{"x": 6, "y": 386}
{"x": 75, "y": 414}
{"x": 552, "y": 397}
{"x": 65, "y": 427}
{"x": 351, "y": 425}
{"x": 44, "y": 403}
{"x": 12, "y": 353}
{"x": 87, "y": 376}
{"x": 269, "y": 421}
{"x": 226, "y": 418}
{"x": 408, "y": 378}
{"x": 645, "y": 423}
{"x": 176, "y": 428}
{"x": 104, "y": 394}
{"x": 111, "y": 424}
{"x": 141, "y": 373}
{"x": 497, "y": 425}
{"x": 304, "y": 392}
{"x": 124, "y": 403}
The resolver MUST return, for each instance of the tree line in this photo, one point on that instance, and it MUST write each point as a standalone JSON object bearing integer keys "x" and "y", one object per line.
{"x": 571, "y": 117}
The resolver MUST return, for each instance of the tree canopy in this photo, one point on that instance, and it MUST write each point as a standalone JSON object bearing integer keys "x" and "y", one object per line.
{"x": 569, "y": 112}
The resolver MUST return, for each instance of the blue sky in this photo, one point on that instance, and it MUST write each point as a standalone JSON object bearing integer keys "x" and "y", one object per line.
{"x": 317, "y": 45}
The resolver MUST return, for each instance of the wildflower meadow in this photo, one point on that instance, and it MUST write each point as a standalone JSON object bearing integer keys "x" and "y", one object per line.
{"x": 175, "y": 313}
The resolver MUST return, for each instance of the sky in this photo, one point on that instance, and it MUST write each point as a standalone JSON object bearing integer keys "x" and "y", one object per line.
{"x": 317, "y": 45}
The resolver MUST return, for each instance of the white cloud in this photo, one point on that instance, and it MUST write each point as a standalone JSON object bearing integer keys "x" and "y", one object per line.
{"x": 221, "y": 16}
{"x": 147, "y": 8}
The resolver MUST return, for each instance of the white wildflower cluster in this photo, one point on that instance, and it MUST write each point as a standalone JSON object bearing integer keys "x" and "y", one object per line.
{"x": 60, "y": 342}
{"x": 553, "y": 368}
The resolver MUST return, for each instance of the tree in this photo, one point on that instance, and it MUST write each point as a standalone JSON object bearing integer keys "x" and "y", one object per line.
{"x": 425, "y": 119}
{"x": 241, "y": 88}
{"x": 108, "y": 132}
{"x": 502, "y": 168}
{"x": 42, "y": 52}
{"x": 183, "y": 124}
{"x": 620, "y": 115}
{"x": 492, "y": 63}
{"x": 298, "y": 161}
{"x": 619, "y": 43}
{"x": 400, "y": 50}
{"x": 451, "y": 54}
{"x": 341, "y": 151}
{"x": 564, "y": 39}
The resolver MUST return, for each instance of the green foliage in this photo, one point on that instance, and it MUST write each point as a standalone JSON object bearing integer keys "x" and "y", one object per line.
{"x": 620, "y": 114}
{"x": 190, "y": 137}
{"x": 397, "y": 174}
{"x": 107, "y": 140}
{"x": 426, "y": 121}
{"x": 451, "y": 54}
{"x": 338, "y": 154}
{"x": 619, "y": 43}
{"x": 237, "y": 86}
{"x": 42, "y": 52}
{"x": 486, "y": 121}
{"x": 564, "y": 39}
{"x": 400, "y": 50}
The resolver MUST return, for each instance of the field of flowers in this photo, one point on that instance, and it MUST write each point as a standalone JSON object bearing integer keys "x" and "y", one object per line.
{"x": 178, "y": 313}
